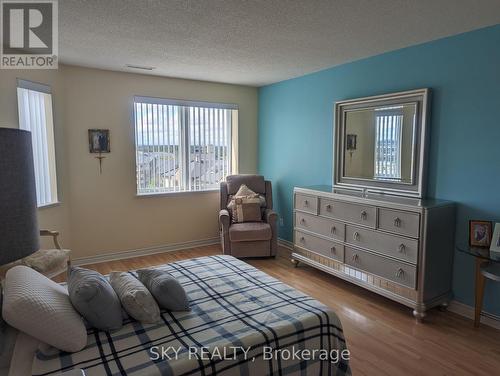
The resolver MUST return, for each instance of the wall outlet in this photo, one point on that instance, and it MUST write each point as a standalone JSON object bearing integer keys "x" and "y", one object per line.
{"x": 281, "y": 222}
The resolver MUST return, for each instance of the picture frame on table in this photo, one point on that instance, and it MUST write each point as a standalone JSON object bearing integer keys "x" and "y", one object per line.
{"x": 480, "y": 234}
{"x": 495, "y": 243}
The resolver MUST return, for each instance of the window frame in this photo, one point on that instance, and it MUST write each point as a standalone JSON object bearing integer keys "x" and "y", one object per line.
{"x": 233, "y": 138}
{"x": 50, "y": 143}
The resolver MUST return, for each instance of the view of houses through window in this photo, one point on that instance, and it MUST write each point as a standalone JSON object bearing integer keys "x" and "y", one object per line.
{"x": 182, "y": 146}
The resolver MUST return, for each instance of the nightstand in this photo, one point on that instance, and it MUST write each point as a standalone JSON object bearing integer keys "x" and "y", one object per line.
{"x": 487, "y": 267}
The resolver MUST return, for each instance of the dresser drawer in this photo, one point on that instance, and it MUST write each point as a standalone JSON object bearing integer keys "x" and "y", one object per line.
{"x": 322, "y": 226}
{"x": 399, "y": 222}
{"x": 324, "y": 247}
{"x": 386, "y": 268}
{"x": 306, "y": 203}
{"x": 390, "y": 245}
{"x": 345, "y": 211}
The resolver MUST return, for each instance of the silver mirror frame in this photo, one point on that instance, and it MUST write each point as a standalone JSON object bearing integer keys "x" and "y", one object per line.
{"x": 419, "y": 170}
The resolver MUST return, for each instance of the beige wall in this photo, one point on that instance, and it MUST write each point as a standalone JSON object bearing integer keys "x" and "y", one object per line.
{"x": 360, "y": 162}
{"x": 103, "y": 212}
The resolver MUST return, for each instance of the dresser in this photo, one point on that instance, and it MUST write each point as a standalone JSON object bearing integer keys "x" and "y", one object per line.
{"x": 398, "y": 247}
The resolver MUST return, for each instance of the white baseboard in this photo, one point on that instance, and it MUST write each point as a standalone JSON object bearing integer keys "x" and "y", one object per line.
{"x": 286, "y": 244}
{"x": 285, "y": 248}
{"x": 120, "y": 255}
{"x": 468, "y": 311}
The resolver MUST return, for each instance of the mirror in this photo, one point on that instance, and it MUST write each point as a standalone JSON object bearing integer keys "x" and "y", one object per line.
{"x": 380, "y": 141}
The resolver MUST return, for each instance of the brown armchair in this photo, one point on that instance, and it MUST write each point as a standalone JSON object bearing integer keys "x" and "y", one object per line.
{"x": 249, "y": 239}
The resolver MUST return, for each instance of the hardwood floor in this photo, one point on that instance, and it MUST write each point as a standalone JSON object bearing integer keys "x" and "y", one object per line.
{"x": 382, "y": 335}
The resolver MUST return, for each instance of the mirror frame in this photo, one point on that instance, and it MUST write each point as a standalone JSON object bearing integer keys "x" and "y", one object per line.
{"x": 416, "y": 188}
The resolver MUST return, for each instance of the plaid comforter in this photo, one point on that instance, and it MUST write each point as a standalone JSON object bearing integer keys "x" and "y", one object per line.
{"x": 242, "y": 322}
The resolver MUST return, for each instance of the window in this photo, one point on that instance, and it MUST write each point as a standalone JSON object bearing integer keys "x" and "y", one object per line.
{"x": 183, "y": 146}
{"x": 35, "y": 115}
{"x": 389, "y": 124}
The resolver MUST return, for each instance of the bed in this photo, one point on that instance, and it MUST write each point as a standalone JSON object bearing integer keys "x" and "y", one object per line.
{"x": 242, "y": 322}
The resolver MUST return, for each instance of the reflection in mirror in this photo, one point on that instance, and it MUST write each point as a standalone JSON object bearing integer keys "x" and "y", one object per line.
{"x": 379, "y": 143}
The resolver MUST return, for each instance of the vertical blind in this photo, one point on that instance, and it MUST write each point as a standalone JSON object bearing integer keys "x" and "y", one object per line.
{"x": 388, "y": 145}
{"x": 35, "y": 115}
{"x": 182, "y": 146}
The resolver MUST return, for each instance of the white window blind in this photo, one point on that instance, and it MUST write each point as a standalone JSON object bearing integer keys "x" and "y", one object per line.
{"x": 35, "y": 115}
{"x": 389, "y": 125}
{"x": 183, "y": 146}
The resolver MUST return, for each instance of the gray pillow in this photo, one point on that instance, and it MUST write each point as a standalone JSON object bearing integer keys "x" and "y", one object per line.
{"x": 167, "y": 291}
{"x": 135, "y": 297}
{"x": 93, "y": 297}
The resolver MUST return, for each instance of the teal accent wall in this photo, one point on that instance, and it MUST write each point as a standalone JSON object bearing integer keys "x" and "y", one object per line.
{"x": 463, "y": 71}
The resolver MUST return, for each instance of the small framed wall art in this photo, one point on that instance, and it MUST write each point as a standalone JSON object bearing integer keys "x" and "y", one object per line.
{"x": 99, "y": 143}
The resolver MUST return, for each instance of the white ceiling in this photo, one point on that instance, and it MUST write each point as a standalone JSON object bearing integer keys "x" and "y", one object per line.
{"x": 254, "y": 42}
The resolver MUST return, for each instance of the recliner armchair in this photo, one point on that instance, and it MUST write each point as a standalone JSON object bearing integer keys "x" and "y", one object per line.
{"x": 249, "y": 239}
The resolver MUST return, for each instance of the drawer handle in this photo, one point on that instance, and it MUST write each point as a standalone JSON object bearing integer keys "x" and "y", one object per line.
{"x": 355, "y": 258}
{"x": 402, "y": 248}
{"x": 333, "y": 250}
{"x": 363, "y": 215}
{"x": 397, "y": 222}
{"x": 302, "y": 239}
{"x": 400, "y": 273}
{"x": 334, "y": 230}
{"x": 328, "y": 207}
{"x": 306, "y": 203}
{"x": 302, "y": 220}
{"x": 355, "y": 236}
